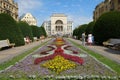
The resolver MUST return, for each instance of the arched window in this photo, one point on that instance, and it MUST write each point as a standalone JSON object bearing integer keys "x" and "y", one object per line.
{"x": 58, "y": 22}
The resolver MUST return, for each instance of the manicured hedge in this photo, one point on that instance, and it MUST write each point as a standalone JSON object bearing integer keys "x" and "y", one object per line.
{"x": 89, "y": 29}
{"x": 78, "y": 31}
{"x": 107, "y": 26}
{"x": 42, "y": 31}
{"x": 35, "y": 31}
{"x": 75, "y": 32}
{"x": 9, "y": 30}
{"x": 26, "y": 29}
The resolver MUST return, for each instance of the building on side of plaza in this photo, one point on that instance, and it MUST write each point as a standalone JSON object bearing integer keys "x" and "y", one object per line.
{"x": 58, "y": 25}
{"x": 106, "y": 6}
{"x": 29, "y": 18}
{"x": 9, "y": 7}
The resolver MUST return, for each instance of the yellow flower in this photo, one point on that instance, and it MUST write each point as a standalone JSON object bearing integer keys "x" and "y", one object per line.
{"x": 59, "y": 64}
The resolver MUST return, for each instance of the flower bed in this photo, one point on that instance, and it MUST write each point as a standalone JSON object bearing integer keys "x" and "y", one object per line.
{"x": 59, "y": 64}
{"x": 50, "y": 48}
{"x": 67, "y": 48}
{"x": 58, "y": 43}
{"x": 83, "y": 66}
{"x": 59, "y": 51}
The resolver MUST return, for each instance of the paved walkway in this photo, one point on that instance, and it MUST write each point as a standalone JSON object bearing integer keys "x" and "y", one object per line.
{"x": 109, "y": 53}
{"x": 8, "y": 54}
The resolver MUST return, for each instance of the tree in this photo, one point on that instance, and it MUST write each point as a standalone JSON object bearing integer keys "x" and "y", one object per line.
{"x": 89, "y": 29}
{"x": 42, "y": 31}
{"x": 10, "y": 30}
{"x": 75, "y": 32}
{"x": 107, "y": 26}
{"x": 35, "y": 31}
{"x": 26, "y": 29}
{"x": 81, "y": 30}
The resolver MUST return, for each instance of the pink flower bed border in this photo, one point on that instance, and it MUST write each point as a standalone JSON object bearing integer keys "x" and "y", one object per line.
{"x": 60, "y": 52}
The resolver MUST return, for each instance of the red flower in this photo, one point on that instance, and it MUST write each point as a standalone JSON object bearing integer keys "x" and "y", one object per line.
{"x": 59, "y": 51}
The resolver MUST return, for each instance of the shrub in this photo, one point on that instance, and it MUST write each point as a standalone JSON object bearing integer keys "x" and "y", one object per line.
{"x": 10, "y": 30}
{"x": 81, "y": 30}
{"x": 42, "y": 31}
{"x": 89, "y": 29}
{"x": 75, "y": 32}
{"x": 107, "y": 26}
{"x": 26, "y": 29}
{"x": 35, "y": 31}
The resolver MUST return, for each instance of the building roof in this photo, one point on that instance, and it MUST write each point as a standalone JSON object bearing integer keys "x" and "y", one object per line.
{"x": 26, "y": 15}
{"x": 58, "y": 15}
{"x": 22, "y": 16}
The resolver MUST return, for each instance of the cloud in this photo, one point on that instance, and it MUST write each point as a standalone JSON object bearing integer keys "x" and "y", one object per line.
{"x": 28, "y": 5}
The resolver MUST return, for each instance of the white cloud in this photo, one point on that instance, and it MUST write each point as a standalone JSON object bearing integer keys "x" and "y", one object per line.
{"x": 28, "y": 5}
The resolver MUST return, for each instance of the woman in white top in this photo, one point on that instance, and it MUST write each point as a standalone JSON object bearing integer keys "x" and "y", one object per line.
{"x": 90, "y": 41}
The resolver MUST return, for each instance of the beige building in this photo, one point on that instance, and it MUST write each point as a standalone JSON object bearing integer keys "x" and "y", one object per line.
{"x": 58, "y": 25}
{"x": 106, "y": 6}
{"x": 29, "y": 18}
{"x": 9, "y": 7}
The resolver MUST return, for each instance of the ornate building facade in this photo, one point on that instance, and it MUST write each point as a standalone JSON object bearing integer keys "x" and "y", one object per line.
{"x": 58, "y": 25}
{"x": 29, "y": 18}
{"x": 106, "y": 6}
{"x": 9, "y": 7}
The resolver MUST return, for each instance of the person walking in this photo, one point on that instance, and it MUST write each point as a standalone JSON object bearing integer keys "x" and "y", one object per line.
{"x": 90, "y": 39}
{"x": 83, "y": 39}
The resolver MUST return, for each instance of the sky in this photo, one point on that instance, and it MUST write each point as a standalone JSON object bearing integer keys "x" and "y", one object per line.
{"x": 79, "y": 11}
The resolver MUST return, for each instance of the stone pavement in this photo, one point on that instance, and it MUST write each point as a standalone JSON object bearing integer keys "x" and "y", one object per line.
{"x": 8, "y": 54}
{"x": 109, "y": 53}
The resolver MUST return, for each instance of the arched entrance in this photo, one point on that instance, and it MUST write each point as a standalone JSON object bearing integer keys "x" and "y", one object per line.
{"x": 59, "y": 26}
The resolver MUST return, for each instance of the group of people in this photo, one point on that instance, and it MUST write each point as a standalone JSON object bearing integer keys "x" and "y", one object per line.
{"x": 27, "y": 40}
{"x": 90, "y": 39}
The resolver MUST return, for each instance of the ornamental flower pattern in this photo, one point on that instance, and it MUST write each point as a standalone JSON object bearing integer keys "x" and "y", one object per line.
{"x": 60, "y": 52}
{"x": 27, "y": 66}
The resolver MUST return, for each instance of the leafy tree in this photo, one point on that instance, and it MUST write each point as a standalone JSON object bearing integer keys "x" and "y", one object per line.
{"x": 75, "y": 32}
{"x": 107, "y": 26}
{"x": 10, "y": 30}
{"x": 81, "y": 30}
{"x": 26, "y": 29}
{"x": 89, "y": 29}
{"x": 42, "y": 31}
{"x": 35, "y": 31}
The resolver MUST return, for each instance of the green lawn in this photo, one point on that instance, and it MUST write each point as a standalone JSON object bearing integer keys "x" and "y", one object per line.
{"x": 112, "y": 64}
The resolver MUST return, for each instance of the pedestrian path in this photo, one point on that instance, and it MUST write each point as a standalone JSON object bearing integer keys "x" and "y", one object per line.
{"x": 8, "y": 54}
{"x": 109, "y": 53}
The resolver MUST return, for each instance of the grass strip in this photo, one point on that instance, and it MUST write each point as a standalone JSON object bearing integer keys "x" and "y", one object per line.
{"x": 18, "y": 57}
{"x": 112, "y": 64}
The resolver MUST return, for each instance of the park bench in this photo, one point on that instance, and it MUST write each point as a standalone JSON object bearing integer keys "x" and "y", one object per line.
{"x": 35, "y": 38}
{"x": 112, "y": 43}
{"x": 27, "y": 40}
{"x": 6, "y": 43}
